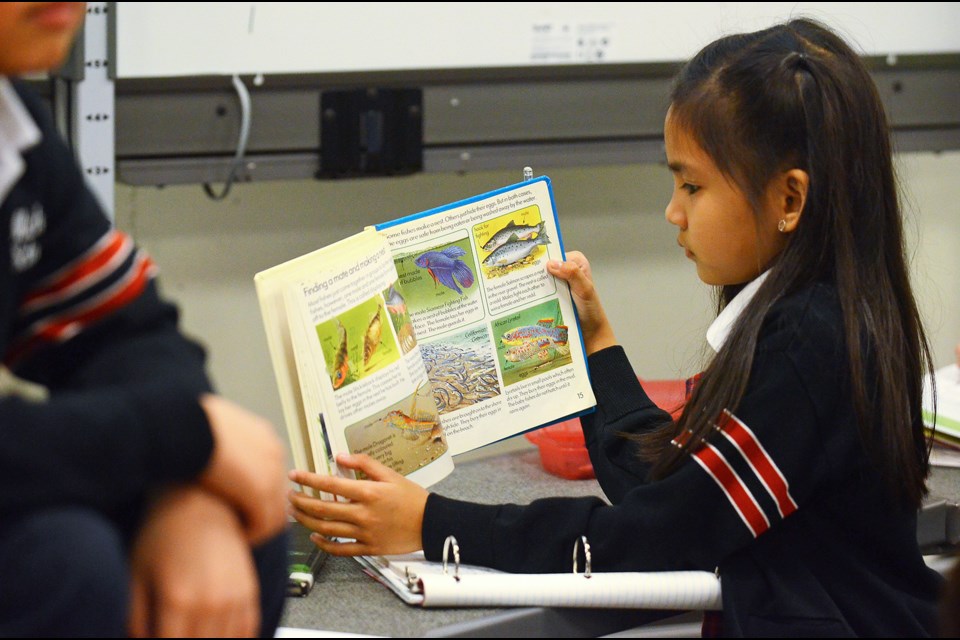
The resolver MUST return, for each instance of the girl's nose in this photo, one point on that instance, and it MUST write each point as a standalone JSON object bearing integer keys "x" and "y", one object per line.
{"x": 675, "y": 215}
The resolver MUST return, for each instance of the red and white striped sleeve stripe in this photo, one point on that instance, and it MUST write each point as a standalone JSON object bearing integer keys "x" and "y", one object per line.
{"x": 759, "y": 460}
{"x": 719, "y": 468}
{"x": 93, "y": 266}
{"x": 735, "y": 487}
{"x": 105, "y": 278}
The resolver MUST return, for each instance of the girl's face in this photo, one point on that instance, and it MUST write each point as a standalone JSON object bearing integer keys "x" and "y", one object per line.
{"x": 718, "y": 228}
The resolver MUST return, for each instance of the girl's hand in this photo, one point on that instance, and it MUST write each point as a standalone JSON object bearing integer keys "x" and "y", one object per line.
{"x": 597, "y": 332}
{"x": 384, "y": 514}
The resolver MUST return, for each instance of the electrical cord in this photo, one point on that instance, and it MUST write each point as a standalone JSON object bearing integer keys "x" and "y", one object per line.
{"x": 245, "y": 115}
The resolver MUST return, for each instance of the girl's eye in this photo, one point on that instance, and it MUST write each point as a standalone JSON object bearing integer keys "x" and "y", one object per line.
{"x": 690, "y": 188}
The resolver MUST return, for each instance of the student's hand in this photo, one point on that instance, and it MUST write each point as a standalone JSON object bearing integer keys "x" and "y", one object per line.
{"x": 247, "y": 467}
{"x": 597, "y": 332}
{"x": 384, "y": 515}
{"x": 192, "y": 572}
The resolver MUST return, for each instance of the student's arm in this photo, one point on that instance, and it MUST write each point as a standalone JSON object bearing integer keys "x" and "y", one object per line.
{"x": 129, "y": 406}
{"x": 691, "y": 519}
{"x": 794, "y": 411}
{"x": 623, "y": 407}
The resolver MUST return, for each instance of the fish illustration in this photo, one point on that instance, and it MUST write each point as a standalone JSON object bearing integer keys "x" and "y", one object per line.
{"x": 341, "y": 360}
{"x": 446, "y": 268}
{"x": 543, "y": 329}
{"x": 514, "y": 251}
{"x": 526, "y": 350}
{"x": 371, "y": 340}
{"x": 413, "y": 428}
{"x": 395, "y": 302}
{"x": 460, "y": 376}
{"x": 512, "y": 233}
{"x": 552, "y": 352}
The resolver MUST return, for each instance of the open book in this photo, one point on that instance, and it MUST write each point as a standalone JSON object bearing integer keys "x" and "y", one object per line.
{"x": 450, "y": 584}
{"x": 427, "y": 336}
{"x": 947, "y": 423}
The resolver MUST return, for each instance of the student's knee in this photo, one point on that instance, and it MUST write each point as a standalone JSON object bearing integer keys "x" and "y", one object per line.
{"x": 64, "y": 574}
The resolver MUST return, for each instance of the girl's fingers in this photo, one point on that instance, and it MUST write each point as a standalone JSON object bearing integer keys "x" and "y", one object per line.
{"x": 304, "y": 478}
{"x": 370, "y": 467}
{"x": 344, "y": 487}
{"x": 580, "y": 283}
{"x": 336, "y": 548}
{"x": 331, "y": 528}
{"x": 580, "y": 260}
{"x": 317, "y": 508}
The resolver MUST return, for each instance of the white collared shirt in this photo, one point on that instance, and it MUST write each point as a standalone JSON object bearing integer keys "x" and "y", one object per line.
{"x": 720, "y": 328}
{"x": 18, "y": 132}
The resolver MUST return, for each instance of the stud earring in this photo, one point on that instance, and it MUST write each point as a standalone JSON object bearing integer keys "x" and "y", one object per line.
{"x": 782, "y": 225}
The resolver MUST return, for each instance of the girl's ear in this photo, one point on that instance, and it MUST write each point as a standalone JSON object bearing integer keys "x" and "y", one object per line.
{"x": 792, "y": 187}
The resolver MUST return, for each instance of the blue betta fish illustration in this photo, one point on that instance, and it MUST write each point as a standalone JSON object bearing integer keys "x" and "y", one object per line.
{"x": 446, "y": 268}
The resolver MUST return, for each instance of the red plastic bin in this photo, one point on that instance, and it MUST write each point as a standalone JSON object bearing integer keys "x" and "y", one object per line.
{"x": 562, "y": 449}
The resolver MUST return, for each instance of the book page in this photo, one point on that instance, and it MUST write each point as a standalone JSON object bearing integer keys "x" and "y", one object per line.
{"x": 498, "y": 334}
{"x": 363, "y": 383}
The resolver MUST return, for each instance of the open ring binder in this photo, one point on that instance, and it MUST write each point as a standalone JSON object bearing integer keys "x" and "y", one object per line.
{"x": 432, "y": 584}
{"x": 586, "y": 555}
{"x": 447, "y": 544}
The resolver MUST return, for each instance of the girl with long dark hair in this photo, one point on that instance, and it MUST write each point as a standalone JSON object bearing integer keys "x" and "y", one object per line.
{"x": 799, "y": 462}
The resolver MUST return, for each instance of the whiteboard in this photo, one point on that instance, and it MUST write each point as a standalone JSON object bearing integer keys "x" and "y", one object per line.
{"x": 170, "y": 39}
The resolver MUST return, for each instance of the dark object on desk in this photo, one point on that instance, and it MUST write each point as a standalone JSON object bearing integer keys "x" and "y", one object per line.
{"x": 304, "y": 560}
{"x": 938, "y": 527}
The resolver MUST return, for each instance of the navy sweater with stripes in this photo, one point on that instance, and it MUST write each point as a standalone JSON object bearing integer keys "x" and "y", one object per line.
{"x": 784, "y": 502}
{"x": 80, "y": 314}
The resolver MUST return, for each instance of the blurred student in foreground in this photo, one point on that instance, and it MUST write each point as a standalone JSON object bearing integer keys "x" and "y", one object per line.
{"x": 133, "y": 501}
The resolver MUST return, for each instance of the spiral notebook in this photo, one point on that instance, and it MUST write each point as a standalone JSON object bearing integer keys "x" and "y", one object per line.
{"x": 450, "y": 584}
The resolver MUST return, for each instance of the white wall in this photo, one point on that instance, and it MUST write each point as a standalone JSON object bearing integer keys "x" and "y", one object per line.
{"x": 208, "y": 252}
{"x": 156, "y": 39}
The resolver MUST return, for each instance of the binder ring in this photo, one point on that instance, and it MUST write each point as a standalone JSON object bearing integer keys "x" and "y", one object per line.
{"x": 586, "y": 555}
{"x": 447, "y": 544}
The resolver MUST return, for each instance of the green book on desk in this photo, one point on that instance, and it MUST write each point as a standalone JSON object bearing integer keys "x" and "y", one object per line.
{"x": 304, "y": 561}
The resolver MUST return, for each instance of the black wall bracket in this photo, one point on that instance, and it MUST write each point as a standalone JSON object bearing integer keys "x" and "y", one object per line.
{"x": 370, "y": 132}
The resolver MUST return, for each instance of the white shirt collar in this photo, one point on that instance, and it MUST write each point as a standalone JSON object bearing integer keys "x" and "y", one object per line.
{"x": 18, "y": 132}
{"x": 720, "y": 328}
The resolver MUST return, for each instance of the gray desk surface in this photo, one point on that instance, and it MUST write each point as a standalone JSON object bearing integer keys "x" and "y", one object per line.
{"x": 348, "y": 601}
